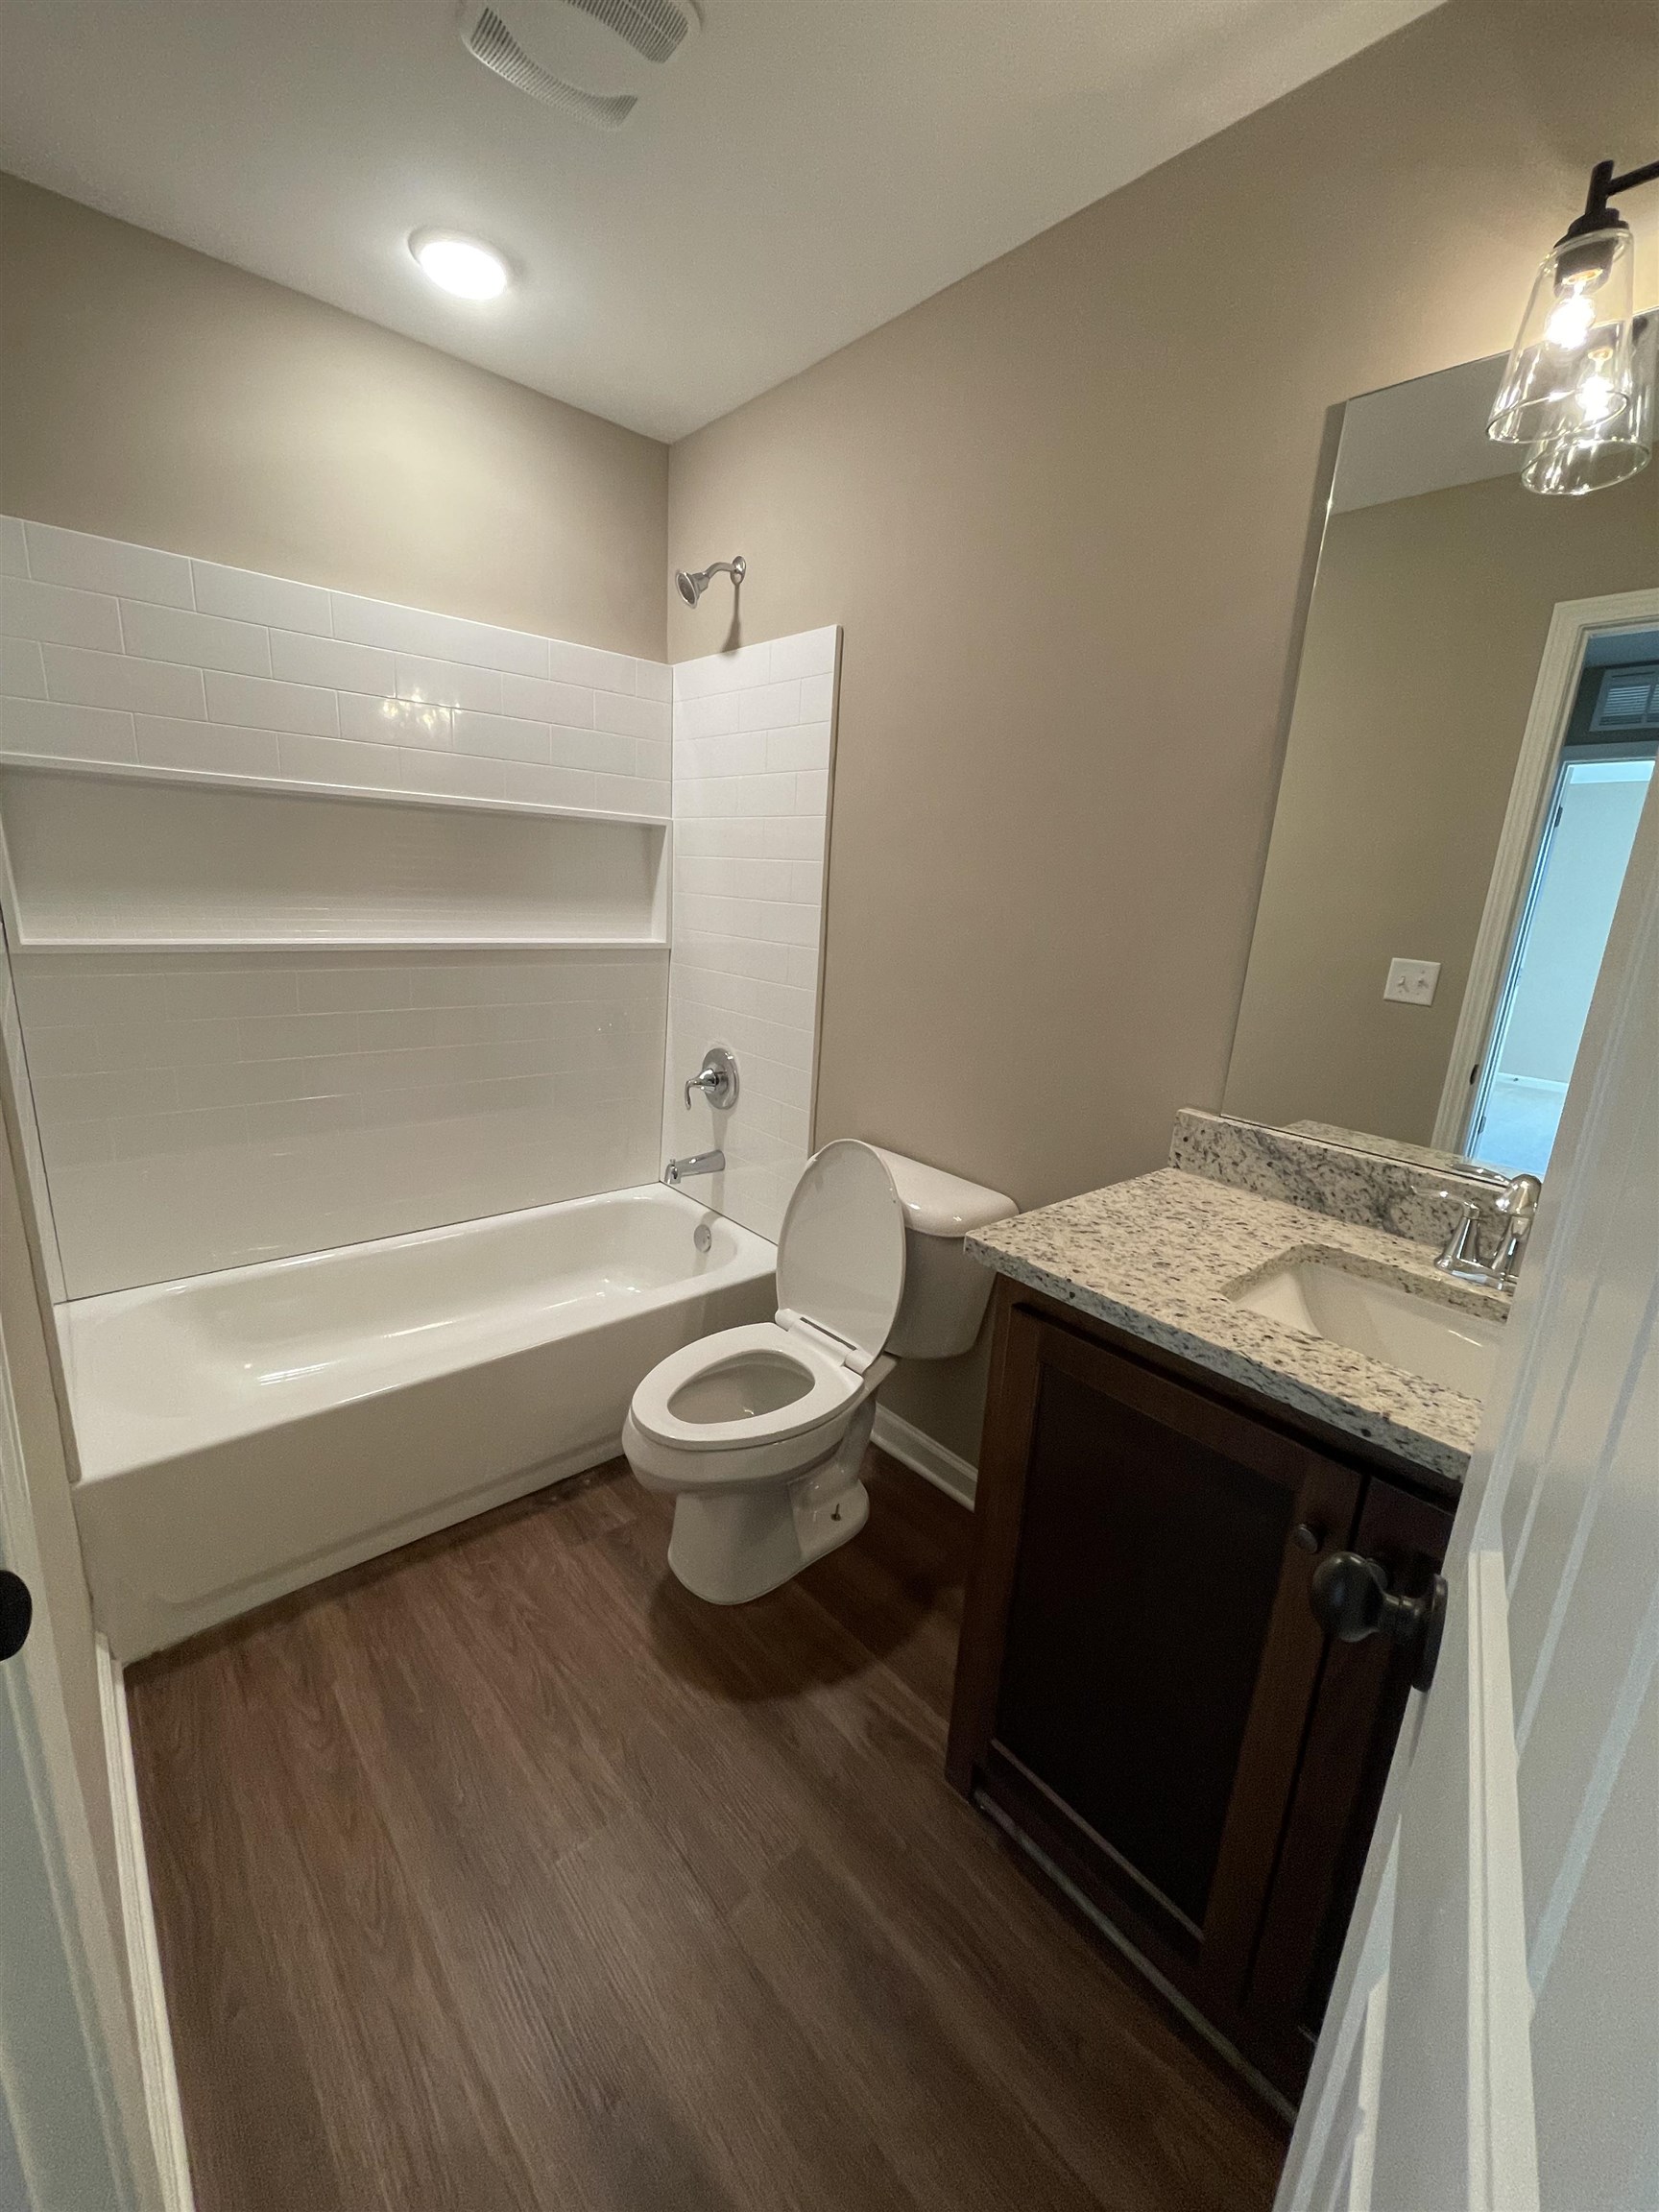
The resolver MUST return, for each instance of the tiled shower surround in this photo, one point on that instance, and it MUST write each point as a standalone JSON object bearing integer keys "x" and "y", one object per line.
{"x": 122, "y": 654}
{"x": 752, "y": 756}
{"x": 211, "y": 1104}
{"x": 201, "y": 1110}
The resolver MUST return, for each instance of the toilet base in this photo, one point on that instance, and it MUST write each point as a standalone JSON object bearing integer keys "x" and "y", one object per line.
{"x": 728, "y": 1546}
{"x": 727, "y": 1550}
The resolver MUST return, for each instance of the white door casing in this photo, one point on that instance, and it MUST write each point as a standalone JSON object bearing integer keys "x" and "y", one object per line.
{"x": 1492, "y": 2043}
{"x": 74, "y": 2131}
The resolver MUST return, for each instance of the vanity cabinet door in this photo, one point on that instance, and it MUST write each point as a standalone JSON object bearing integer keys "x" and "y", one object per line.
{"x": 1140, "y": 1657}
{"x": 1350, "y": 1743}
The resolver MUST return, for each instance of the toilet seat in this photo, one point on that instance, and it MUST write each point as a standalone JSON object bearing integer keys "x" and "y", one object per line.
{"x": 840, "y": 1278}
{"x": 841, "y": 1252}
{"x": 831, "y": 1387}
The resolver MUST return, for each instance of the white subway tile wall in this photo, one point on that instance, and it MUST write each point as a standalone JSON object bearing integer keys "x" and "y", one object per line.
{"x": 753, "y": 743}
{"x": 205, "y": 1110}
{"x": 120, "y": 653}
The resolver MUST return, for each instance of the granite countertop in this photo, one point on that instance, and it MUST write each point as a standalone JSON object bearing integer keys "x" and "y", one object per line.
{"x": 1156, "y": 1256}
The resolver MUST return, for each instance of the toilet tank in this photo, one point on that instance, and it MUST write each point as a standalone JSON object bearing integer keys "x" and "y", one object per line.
{"x": 944, "y": 1292}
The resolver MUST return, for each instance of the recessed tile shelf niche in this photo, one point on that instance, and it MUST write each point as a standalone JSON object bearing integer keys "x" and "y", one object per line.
{"x": 118, "y": 860}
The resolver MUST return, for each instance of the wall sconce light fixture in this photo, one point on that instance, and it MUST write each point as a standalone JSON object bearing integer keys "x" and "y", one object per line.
{"x": 1578, "y": 385}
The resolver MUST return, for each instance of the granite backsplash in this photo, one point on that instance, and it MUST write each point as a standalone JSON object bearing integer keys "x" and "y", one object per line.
{"x": 1404, "y": 1195}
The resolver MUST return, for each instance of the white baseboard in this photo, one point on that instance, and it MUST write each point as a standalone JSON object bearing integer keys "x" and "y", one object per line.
{"x": 143, "y": 1956}
{"x": 915, "y": 1448}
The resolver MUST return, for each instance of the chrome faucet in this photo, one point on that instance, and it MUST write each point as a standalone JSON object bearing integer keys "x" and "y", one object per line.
{"x": 1516, "y": 1206}
{"x": 696, "y": 1163}
{"x": 1519, "y": 1207}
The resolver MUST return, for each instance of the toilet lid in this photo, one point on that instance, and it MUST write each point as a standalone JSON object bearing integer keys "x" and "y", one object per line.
{"x": 841, "y": 1253}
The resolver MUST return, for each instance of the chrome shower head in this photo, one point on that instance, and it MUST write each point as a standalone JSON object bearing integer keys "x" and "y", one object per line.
{"x": 691, "y": 583}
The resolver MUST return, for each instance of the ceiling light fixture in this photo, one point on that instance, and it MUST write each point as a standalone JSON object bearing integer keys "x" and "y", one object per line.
{"x": 1576, "y": 386}
{"x": 464, "y": 266}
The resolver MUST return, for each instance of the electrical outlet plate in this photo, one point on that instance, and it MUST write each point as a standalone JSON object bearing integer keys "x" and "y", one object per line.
{"x": 1412, "y": 982}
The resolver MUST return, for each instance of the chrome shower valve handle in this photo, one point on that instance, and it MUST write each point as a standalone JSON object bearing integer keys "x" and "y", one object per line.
{"x": 716, "y": 1079}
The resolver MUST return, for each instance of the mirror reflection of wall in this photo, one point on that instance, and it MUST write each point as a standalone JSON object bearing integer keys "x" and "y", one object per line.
{"x": 1471, "y": 743}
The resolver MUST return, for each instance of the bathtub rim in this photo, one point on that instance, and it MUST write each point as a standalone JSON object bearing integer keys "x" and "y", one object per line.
{"x": 755, "y": 1258}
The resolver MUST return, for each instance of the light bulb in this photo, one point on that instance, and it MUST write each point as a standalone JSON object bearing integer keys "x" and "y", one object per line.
{"x": 1597, "y": 398}
{"x": 471, "y": 271}
{"x": 1597, "y": 401}
{"x": 1571, "y": 321}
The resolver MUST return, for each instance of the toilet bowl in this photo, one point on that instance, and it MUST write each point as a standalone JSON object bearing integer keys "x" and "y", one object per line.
{"x": 758, "y": 1432}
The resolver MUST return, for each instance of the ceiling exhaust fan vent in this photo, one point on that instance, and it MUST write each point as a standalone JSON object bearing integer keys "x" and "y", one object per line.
{"x": 488, "y": 40}
{"x": 652, "y": 28}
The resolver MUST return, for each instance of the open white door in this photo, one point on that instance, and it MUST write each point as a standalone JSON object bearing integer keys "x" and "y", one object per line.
{"x": 1493, "y": 2038}
{"x": 1578, "y": 628}
{"x": 73, "y": 2134}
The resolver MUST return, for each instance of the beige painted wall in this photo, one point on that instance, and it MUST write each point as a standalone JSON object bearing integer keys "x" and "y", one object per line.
{"x": 152, "y": 394}
{"x": 1428, "y": 624}
{"x": 1062, "y": 511}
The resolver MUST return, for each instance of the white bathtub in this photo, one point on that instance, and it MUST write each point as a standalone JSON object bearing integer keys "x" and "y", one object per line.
{"x": 241, "y": 1433}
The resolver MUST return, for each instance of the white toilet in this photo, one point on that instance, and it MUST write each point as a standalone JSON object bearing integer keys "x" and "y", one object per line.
{"x": 758, "y": 1432}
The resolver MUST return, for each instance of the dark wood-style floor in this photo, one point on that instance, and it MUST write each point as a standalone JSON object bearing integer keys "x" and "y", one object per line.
{"x": 504, "y": 1874}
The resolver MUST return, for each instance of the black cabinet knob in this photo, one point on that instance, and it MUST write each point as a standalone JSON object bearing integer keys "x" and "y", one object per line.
{"x": 1351, "y": 1599}
{"x": 16, "y": 1613}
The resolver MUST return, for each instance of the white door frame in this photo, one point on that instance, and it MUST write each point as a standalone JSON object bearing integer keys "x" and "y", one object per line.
{"x": 70, "y": 2077}
{"x": 1572, "y": 626}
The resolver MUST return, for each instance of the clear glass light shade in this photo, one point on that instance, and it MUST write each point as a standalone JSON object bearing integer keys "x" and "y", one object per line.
{"x": 1571, "y": 371}
{"x": 1587, "y": 456}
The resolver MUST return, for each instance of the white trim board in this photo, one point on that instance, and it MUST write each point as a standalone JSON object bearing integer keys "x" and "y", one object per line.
{"x": 72, "y": 2104}
{"x": 143, "y": 1956}
{"x": 1572, "y": 625}
{"x": 915, "y": 1448}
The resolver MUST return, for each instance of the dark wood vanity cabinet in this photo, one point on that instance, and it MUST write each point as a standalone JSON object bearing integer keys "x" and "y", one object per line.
{"x": 1142, "y": 1693}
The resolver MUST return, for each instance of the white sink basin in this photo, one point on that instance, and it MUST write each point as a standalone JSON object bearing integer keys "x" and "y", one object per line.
{"x": 1442, "y": 1343}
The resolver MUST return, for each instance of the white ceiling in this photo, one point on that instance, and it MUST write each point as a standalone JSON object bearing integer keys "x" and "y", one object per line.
{"x": 800, "y": 172}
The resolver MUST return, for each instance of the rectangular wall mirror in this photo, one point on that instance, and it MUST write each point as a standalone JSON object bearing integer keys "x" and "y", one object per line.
{"x": 1471, "y": 744}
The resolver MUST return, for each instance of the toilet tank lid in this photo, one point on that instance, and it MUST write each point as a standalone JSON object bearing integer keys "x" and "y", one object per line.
{"x": 937, "y": 1204}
